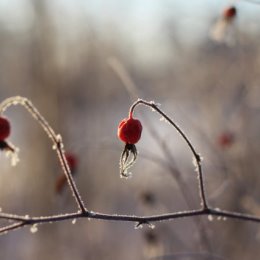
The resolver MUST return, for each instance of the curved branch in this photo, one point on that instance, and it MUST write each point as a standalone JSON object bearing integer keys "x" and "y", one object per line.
{"x": 196, "y": 155}
{"x": 56, "y": 139}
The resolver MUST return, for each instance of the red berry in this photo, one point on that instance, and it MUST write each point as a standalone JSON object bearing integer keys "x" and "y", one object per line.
{"x": 130, "y": 130}
{"x": 230, "y": 12}
{"x": 5, "y": 128}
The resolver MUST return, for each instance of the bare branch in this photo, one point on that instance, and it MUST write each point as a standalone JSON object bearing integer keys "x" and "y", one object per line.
{"x": 26, "y": 220}
{"x": 197, "y": 157}
{"x": 56, "y": 139}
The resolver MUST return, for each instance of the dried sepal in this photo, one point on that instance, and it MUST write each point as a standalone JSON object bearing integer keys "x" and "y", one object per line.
{"x": 127, "y": 159}
{"x": 10, "y": 151}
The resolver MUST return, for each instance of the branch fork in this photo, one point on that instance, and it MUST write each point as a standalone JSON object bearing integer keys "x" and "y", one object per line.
{"x": 83, "y": 212}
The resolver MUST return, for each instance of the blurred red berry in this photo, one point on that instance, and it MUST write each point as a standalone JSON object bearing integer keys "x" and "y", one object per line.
{"x": 5, "y": 128}
{"x": 148, "y": 198}
{"x": 130, "y": 130}
{"x": 61, "y": 180}
{"x": 226, "y": 139}
{"x": 230, "y": 12}
{"x": 60, "y": 183}
{"x": 151, "y": 237}
{"x": 72, "y": 161}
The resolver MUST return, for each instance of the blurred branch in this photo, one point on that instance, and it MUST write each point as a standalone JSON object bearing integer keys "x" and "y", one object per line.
{"x": 184, "y": 255}
{"x": 122, "y": 73}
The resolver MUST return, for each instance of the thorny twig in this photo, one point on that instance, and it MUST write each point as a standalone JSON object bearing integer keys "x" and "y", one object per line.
{"x": 205, "y": 210}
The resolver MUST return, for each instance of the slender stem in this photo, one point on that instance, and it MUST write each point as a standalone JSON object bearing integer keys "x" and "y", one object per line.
{"x": 67, "y": 171}
{"x": 196, "y": 155}
{"x": 56, "y": 139}
{"x": 14, "y": 226}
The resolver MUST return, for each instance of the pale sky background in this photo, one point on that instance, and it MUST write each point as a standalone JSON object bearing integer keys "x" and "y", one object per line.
{"x": 144, "y": 13}
{"x": 138, "y": 20}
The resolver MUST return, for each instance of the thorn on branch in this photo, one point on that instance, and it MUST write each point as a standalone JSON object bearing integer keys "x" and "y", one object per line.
{"x": 144, "y": 222}
{"x": 198, "y": 158}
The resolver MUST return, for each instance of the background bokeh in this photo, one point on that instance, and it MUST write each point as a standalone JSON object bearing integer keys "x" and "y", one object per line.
{"x": 82, "y": 63}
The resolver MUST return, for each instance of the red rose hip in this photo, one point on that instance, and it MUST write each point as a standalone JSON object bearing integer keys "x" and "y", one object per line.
{"x": 230, "y": 12}
{"x": 130, "y": 130}
{"x": 5, "y": 128}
